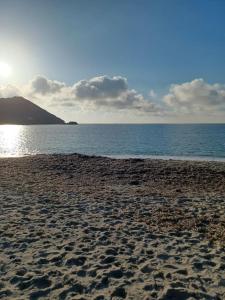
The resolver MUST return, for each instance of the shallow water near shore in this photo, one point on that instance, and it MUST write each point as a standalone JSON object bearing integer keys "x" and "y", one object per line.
{"x": 178, "y": 141}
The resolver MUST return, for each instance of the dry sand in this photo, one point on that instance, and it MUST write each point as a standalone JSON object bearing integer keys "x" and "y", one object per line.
{"x": 79, "y": 227}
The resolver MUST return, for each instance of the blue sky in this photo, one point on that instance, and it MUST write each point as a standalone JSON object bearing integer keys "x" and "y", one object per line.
{"x": 151, "y": 43}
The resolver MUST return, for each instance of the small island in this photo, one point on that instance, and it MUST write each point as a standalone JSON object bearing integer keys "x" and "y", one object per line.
{"x": 72, "y": 123}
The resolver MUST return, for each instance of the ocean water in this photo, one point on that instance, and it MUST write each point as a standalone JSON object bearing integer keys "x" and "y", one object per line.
{"x": 192, "y": 141}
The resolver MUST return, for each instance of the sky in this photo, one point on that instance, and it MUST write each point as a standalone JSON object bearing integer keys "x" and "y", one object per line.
{"x": 129, "y": 61}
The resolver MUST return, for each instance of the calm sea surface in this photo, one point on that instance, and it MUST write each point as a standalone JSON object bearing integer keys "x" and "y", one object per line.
{"x": 180, "y": 141}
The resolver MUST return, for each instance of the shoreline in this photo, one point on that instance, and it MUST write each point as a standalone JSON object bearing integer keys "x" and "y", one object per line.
{"x": 127, "y": 156}
{"x": 168, "y": 157}
{"x": 88, "y": 227}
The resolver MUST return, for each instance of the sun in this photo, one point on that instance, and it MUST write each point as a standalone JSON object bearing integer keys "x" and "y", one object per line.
{"x": 5, "y": 69}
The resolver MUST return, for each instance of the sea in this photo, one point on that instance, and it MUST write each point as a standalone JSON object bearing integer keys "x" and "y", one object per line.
{"x": 164, "y": 141}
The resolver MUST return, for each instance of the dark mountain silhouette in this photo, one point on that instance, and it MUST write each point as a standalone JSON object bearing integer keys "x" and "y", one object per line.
{"x": 18, "y": 110}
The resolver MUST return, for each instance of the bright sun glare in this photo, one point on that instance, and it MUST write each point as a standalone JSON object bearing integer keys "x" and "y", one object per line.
{"x": 5, "y": 69}
{"x": 10, "y": 138}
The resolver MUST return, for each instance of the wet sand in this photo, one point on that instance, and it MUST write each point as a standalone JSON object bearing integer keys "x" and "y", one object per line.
{"x": 81, "y": 227}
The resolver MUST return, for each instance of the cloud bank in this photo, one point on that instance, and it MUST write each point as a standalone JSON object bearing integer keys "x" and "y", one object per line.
{"x": 102, "y": 92}
{"x": 114, "y": 94}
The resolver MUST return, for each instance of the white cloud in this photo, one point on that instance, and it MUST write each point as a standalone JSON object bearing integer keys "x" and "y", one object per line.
{"x": 42, "y": 85}
{"x": 152, "y": 94}
{"x": 9, "y": 91}
{"x": 196, "y": 96}
{"x": 100, "y": 87}
{"x": 111, "y": 93}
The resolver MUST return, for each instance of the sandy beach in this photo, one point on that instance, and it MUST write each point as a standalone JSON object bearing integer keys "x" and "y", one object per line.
{"x": 82, "y": 227}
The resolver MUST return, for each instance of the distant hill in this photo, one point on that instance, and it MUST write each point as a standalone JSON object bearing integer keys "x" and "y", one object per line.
{"x": 18, "y": 110}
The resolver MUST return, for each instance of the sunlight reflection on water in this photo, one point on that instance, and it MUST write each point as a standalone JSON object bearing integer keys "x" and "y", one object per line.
{"x": 155, "y": 140}
{"x": 11, "y": 140}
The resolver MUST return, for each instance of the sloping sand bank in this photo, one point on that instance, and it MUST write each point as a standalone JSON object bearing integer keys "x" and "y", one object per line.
{"x": 79, "y": 227}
